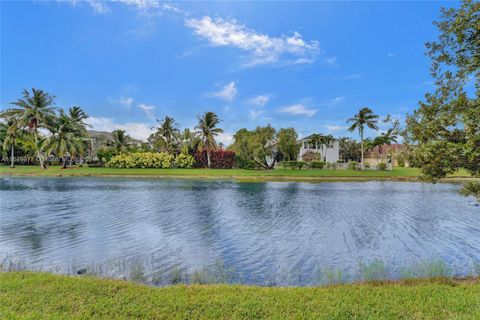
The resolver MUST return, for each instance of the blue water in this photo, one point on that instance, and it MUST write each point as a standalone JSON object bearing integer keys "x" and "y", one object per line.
{"x": 267, "y": 232}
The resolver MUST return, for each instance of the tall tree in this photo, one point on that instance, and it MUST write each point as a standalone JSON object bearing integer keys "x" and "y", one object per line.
{"x": 364, "y": 117}
{"x": 324, "y": 143}
{"x": 187, "y": 141}
{"x": 65, "y": 140}
{"x": 168, "y": 133}
{"x": 349, "y": 149}
{"x": 316, "y": 141}
{"x": 9, "y": 135}
{"x": 207, "y": 131}
{"x": 120, "y": 140}
{"x": 446, "y": 126}
{"x": 34, "y": 110}
{"x": 386, "y": 138}
{"x": 287, "y": 144}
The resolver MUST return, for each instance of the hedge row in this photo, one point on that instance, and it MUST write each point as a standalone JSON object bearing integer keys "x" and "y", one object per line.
{"x": 220, "y": 159}
{"x": 150, "y": 160}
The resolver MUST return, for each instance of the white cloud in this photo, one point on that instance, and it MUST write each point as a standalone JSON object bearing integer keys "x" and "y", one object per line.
{"x": 148, "y": 109}
{"x": 298, "y": 109}
{"x": 144, "y": 6}
{"x": 227, "y": 92}
{"x": 330, "y": 61}
{"x": 97, "y": 6}
{"x": 262, "y": 48}
{"x": 259, "y": 100}
{"x": 334, "y": 101}
{"x": 125, "y": 101}
{"x": 137, "y": 130}
{"x": 334, "y": 128}
{"x": 390, "y": 55}
{"x": 355, "y": 76}
{"x": 226, "y": 138}
{"x": 254, "y": 114}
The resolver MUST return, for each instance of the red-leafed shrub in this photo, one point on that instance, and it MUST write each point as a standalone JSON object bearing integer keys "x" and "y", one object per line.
{"x": 220, "y": 159}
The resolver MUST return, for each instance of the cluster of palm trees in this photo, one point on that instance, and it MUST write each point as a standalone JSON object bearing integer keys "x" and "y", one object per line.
{"x": 168, "y": 137}
{"x": 34, "y": 117}
{"x": 366, "y": 118}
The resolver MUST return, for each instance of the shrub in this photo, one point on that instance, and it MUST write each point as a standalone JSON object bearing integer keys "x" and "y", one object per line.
{"x": 293, "y": 164}
{"x": 220, "y": 159}
{"x": 184, "y": 161}
{"x": 471, "y": 188}
{"x": 331, "y": 165}
{"x": 141, "y": 160}
{"x": 366, "y": 165}
{"x": 241, "y": 162}
{"x": 310, "y": 156}
{"x": 317, "y": 164}
{"x": 105, "y": 154}
{"x": 382, "y": 166}
{"x": 353, "y": 165}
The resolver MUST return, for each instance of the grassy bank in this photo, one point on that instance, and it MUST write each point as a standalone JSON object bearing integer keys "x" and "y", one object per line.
{"x": 45, "y": 296}
{"x": 240, "y": 174}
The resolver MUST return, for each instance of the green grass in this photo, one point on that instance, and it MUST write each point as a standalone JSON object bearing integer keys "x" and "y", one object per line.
{"x": 277, "y": 174}
{"x": 27, "y": 295}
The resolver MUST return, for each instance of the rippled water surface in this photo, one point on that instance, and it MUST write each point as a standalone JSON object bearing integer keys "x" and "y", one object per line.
{"x": 261, "y": 230}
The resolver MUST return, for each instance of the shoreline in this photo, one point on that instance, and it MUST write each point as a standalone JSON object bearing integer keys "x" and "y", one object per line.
{"x": 39, "y": 295}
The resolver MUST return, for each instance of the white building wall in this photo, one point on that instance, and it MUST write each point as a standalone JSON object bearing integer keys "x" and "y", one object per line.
{"x": 332, "y": 153}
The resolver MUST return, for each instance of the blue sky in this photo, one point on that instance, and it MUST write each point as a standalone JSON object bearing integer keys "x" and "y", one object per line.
{"x": 307, "y": 65}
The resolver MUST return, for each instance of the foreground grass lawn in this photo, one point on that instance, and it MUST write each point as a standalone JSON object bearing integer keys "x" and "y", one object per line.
{"x": 26, "y": 295}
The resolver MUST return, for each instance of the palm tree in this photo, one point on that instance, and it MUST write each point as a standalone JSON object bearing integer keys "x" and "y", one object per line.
{"x": 207, "y": 130}
{"x": 385, "y": 138}
{"x": 187, "y": 139}
{"x": 8, "y": 136}
{"x": 33, "y": 111}
{"x": 64, "y": 140}
{"x": 120, "y": 140}
{"x": 324, "y": 142}
{"x": 316, "y": 140}
{"x": 364, "y": 117}
{"x": 169, "y": 133}
{"x": 79, "y": 126}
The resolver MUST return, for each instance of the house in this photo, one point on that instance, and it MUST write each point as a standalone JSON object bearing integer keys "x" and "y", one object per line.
{"x": 386, "y": 153}
{"x": 330, "y": 153}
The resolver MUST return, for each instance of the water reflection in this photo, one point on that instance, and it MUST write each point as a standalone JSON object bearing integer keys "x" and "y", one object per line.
{"x": 263, "y": 230}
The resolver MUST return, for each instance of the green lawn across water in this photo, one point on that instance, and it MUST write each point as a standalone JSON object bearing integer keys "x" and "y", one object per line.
{"x": 27, "y": 295}
{"x": 280, "y": 174}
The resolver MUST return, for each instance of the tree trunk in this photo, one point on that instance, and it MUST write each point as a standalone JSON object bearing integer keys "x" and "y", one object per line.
{"x": 12, "y": 165}
{"x": 208, "y": 158}
{"x": 64, "y": 163}
{"x": 39, "y": 155}
{"x": 361, "y": 147}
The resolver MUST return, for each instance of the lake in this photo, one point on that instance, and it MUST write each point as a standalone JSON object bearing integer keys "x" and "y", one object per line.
{"x": 285, "y": 233}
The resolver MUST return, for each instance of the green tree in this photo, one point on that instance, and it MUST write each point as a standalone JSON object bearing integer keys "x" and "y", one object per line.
{"x": 287, "y": 144}
{"x": 315, "y": 140}
{"x": 349, "y": 149}
{"x": 324, "y": 143}
{"x": 8, "y": 138}
{"x": 258, "y": 146}
{"x": 207, "y": 131}
{"x": 33, "y": 111}
{"x": 386, "y": 138}
{"x": 168, "y": 133}
{"x": 120, "y": 140}
{"x": 65, "y": 140}
{"x": 364, "y": 117}
{"x": 187, "y": 141}
{"x": 446, "y": 126}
